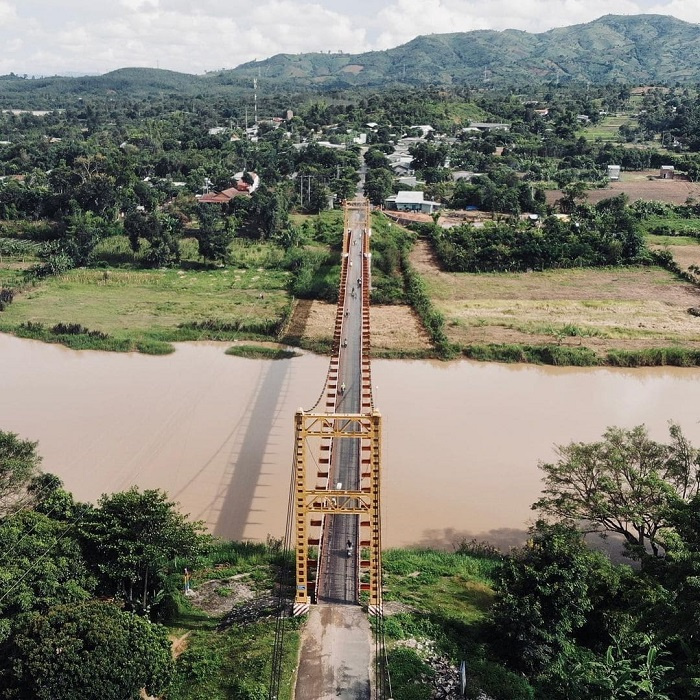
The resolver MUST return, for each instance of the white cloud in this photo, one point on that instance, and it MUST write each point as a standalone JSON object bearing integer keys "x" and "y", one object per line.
{"x": 180, "y": 36}
{"x": 687, "y": 10}
{"x": 7, "y": 13}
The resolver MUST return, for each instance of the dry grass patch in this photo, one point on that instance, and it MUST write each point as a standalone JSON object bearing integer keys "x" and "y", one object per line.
{"x": 684, "y": 255}
{"x": 393, "y": 327}
{"x": 644, "y": 184}
{"x": 622, "y": 308}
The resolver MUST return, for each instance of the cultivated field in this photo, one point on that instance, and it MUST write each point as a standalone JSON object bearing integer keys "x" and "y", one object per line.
{"x": 623, "y": 308}
{"x": 608, "y": 129}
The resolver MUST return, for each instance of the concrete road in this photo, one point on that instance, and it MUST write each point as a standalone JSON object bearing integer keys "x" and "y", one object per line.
{"x": 336, "y": 655}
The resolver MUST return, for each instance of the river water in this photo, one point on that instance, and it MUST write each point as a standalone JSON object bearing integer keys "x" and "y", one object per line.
{"x": 462, "y": 440}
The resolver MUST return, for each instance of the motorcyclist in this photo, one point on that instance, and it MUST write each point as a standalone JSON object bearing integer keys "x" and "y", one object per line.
{"x": 345, "y": 342}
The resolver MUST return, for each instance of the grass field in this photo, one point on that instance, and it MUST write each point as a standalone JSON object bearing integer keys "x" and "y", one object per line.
{"x": 220, "y": 656}
{"x": 142, "y": 305}
{"x": 607, "y": 129}
{"x": 603, "y": 309}
{"x": 674, "y": 224}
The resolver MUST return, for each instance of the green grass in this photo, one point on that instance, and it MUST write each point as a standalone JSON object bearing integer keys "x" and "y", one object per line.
{"x": 653, "y": 239}
{"x": 449, "y": 594}
{"x": 235, "y": 663}
{"x": 223, "y": 662}
{"x": 115, "y": 251}
{"x": 607, "y": 129}
{"x": 141, "y": 307}
{"x": 673, "y": 225}
{"x": 259, "y": 352}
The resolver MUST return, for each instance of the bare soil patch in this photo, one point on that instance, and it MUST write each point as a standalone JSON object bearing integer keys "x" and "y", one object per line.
{"x": 621, "y": 308}
{"x": 645, "y": 184}
{"x": 686, "y": 255}
{"x": 219, "y": 596}
{"x": 393, "y": 327}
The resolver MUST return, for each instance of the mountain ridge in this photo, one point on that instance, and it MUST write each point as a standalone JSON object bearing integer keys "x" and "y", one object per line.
{"x": 630, "y": 49}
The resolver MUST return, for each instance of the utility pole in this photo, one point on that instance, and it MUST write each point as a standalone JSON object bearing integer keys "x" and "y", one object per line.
{"x": 255, "y": 99}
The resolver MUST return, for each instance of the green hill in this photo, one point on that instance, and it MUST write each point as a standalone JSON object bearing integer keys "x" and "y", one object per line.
{"x": 635, "y": 49}
{"x": 629, "y": 49}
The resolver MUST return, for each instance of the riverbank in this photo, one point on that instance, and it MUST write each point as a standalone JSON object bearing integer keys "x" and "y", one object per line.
{"x": 627, "y": 316}
{"x": 436, "y": 605}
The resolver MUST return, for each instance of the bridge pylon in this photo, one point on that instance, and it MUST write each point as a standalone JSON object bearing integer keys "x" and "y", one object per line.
{"x": 343, "y": 444}
{"x": 313, "y": 502}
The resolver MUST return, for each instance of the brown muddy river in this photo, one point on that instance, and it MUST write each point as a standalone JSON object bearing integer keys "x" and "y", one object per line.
{"x": 461, "y": 440}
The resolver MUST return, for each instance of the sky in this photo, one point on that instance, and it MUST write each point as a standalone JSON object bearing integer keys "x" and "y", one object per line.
{"x": 50, "y": 37}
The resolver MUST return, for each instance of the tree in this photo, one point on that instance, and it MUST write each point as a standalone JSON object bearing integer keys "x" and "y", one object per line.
{"x": 379, "y": 184}
{"x": 624, "y": 484}
{"x": 572, "y": 194}
{"x": 41, "y": 564}
{"x": 215, "y": 234}
{"x": 268, "y": 212}
{"x": 19, "y": 464}
{"x": 164, "y": 239}
{"x": 132, "y": 536}
{"x": 83, "y": 232}
{"x": 139, "y": 225}
{"x": 543, "y": 596}
{"x": 88, "y": 650}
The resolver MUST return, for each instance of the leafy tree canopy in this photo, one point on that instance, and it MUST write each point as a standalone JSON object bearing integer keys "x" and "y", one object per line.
{"x": 87, "y": 650}
{"x": 19, "y": 464}
{"x": 131, "y": 536}
{"x": 625, "y": 483}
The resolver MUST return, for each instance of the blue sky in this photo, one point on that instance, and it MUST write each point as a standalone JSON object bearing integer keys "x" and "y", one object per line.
{"x": 46, "y": 37}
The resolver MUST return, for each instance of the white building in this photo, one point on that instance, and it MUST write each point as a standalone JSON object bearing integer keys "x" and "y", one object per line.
{"x": 411, "y": 201}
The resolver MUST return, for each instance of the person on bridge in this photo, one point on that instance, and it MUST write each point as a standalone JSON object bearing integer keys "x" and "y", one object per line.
{"x": 342, "y": 388}
{"x": 345, "y": 342}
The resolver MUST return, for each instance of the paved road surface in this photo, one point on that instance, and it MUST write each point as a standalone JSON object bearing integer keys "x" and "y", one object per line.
{"x": 336, "y": 657}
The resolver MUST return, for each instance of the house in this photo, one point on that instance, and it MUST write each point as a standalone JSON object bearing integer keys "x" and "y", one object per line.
{"x": 225, "y": 196}
{"x": 425, "y": 129}
{"x": 489, "y": 126}
{"x": 411, "y": 201}
{"x": 667, "y": 172}
{"x": 613, "y": 172}
{"x": 402, "y": 169}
